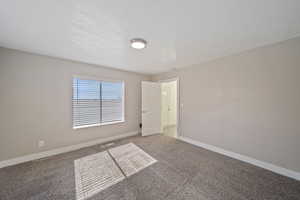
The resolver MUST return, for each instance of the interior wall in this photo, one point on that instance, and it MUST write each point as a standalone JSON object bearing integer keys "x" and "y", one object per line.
{"x": 169, "y": 103}
{"x": 247, "y": 103}
{"x": 36, "y": 103}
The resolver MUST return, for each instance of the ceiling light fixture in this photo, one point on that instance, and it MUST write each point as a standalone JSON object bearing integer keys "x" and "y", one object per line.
{"x": 138, "y": 43}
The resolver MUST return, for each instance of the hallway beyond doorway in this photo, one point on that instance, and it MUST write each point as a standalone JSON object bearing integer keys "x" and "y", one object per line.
{"x": 170, "y": 131}
{"x": 169, "y": 107}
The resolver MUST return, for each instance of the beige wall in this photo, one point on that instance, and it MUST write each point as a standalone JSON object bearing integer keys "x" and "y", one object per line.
{"x": 35, "y": 103}
{"x": 247, "y": 103}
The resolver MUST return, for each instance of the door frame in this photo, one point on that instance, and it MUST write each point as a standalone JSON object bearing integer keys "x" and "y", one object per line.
{"x": 178, "y": 124}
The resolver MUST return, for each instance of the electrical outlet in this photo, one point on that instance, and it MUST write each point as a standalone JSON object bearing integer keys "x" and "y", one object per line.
{"x": 41, "y": 143}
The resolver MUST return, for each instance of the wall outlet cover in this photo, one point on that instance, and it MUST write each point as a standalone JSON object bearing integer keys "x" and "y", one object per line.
{"x": 41, "y": 143}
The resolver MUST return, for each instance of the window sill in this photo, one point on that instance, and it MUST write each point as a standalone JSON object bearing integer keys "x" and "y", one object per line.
{"x": 95, "y": 125}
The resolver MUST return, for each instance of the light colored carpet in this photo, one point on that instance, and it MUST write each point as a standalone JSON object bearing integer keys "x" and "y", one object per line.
{"x": 131, "y": 158}
{"x": 95, "y": 173}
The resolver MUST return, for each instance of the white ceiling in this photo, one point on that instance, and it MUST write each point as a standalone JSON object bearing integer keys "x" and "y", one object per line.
{"x": 179, "y": 32}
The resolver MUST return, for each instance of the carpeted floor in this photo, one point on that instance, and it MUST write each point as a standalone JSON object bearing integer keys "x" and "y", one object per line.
{"x": 183, "y": 171}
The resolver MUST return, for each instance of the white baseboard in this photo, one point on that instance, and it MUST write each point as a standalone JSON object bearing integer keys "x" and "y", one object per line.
{"x": 53, "y": 152}
{"x": 169, "y": 126}
{"x": 262, "y": 164}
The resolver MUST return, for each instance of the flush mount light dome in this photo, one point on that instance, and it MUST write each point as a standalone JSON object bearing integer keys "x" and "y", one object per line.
{"x": 138, "y": 43}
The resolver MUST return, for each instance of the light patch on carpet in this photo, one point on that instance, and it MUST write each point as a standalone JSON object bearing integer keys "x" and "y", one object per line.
{"x": 95, "y": 173}
{"x": 131, "y": 158}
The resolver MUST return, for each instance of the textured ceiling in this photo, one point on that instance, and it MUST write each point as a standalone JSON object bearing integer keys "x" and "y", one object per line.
{"x": 179, "y": 33}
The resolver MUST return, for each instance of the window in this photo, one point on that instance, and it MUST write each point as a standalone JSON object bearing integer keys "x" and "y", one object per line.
{"x": 97, "y": 102}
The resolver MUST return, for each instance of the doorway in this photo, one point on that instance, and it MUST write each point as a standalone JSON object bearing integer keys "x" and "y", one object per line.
{"x": 169, "y": 107}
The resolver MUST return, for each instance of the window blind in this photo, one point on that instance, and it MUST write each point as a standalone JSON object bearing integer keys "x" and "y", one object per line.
{"x": 96, "y": 102}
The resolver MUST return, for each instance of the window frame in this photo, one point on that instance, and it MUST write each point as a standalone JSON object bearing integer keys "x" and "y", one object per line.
{"x": 102, "y": 80}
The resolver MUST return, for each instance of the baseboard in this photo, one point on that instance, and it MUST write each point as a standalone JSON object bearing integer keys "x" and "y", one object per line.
{"x": 169, "y": 126}
{"x": 53, "y": 152}
{"x": 262, "y": 164}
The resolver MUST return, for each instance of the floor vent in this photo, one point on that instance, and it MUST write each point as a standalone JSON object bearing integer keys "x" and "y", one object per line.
{"x": 107, "y": 145}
